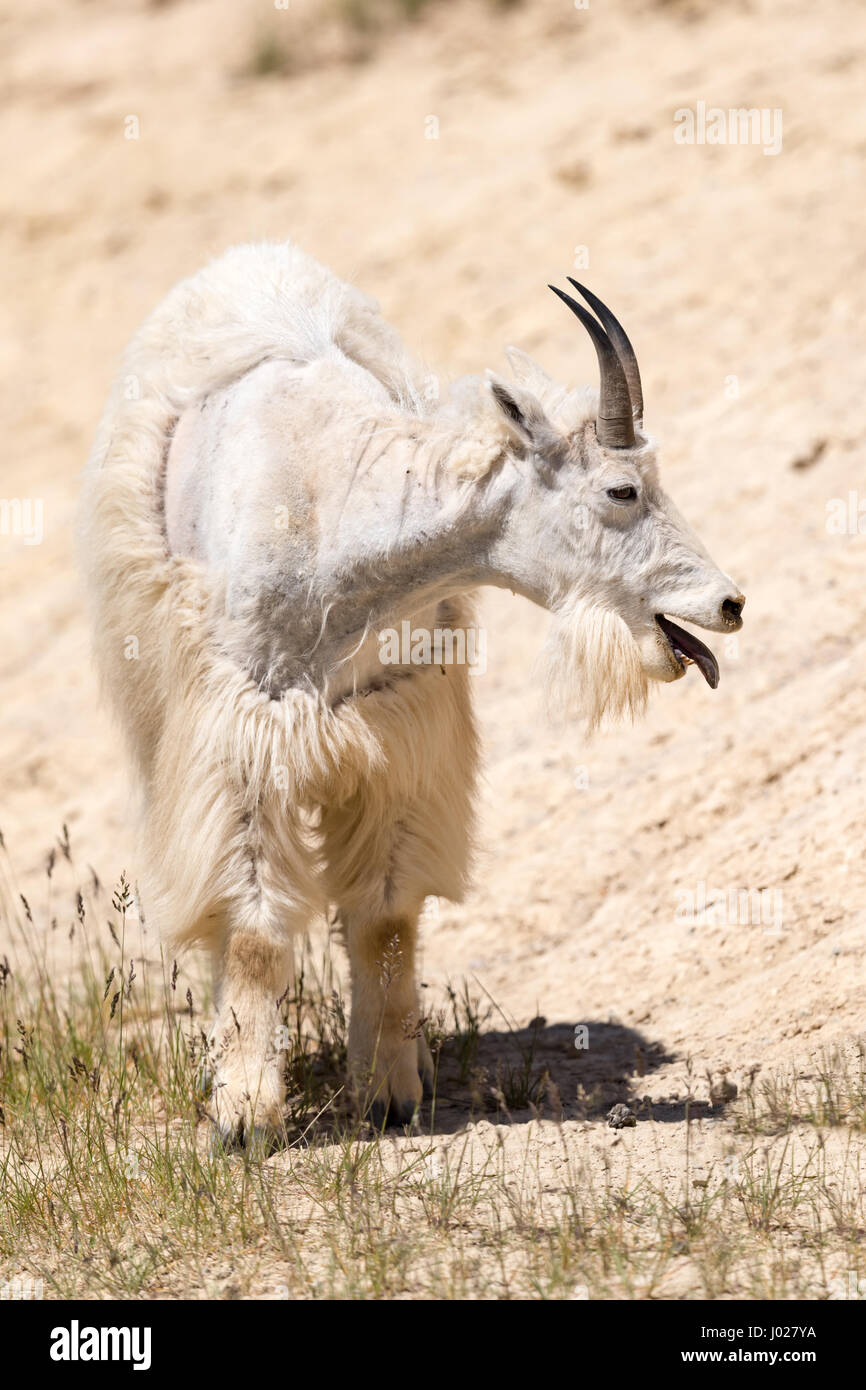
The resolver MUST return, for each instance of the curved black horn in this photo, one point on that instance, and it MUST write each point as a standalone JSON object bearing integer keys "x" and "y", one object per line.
{"x": 615, "y": 423}
{"x": 619, "y": 338}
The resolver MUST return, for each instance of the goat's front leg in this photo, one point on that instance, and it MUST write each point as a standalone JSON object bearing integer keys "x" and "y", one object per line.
{"x": 252, "y": 971}
{"x": 387, "y": 1051}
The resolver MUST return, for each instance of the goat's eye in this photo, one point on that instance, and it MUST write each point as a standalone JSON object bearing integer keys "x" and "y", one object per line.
{"x": 622, "y": 494}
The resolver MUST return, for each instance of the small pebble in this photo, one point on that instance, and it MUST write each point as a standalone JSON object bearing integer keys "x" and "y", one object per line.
{"x": 723, "y": 1090}
{"x": 620, "y": 1117}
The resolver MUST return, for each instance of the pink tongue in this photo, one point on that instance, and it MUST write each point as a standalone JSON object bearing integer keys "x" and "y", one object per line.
{"x": 686, "y": 644}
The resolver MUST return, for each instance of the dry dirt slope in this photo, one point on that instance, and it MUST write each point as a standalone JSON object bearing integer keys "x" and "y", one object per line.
{"x": 555, "y": 131}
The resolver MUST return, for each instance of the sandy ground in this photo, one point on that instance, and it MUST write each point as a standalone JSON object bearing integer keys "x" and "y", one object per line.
{"x": 740, "y": 276}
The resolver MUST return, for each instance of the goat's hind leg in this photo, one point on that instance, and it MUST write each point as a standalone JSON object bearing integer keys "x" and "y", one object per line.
{"x": 402, "y": 837}
{"x": 385, "y": 1035}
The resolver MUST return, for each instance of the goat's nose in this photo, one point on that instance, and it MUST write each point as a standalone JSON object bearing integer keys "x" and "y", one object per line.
{"x": 732, "y": 611}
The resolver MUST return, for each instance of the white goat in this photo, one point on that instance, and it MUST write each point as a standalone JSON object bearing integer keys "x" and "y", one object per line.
{"x": 274, "y": 481}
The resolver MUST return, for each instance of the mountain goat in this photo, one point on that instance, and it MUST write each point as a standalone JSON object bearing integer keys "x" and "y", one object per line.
{"x": 274, "y": 481}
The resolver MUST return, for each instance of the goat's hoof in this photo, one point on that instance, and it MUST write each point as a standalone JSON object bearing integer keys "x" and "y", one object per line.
{"x": 256, "y": 1141}
{"x": 426, "y": 1066}
{"x": 392, "y": 1114}
{"x": 241, "y": 1122}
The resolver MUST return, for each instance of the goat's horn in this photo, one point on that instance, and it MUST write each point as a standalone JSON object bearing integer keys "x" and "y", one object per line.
{"x": 615, "y": 423}
{"x": 619, "y": 338}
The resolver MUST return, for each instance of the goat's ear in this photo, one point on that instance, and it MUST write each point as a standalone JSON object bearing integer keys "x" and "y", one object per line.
{"x": 521, "y": 410}
{"x": 524, "y": 417}
{"x": 506, "y": 399}
{"x": 528, "y": 372}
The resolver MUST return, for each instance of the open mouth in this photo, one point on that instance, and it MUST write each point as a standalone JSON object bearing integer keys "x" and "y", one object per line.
{"x": 688, "y": 650}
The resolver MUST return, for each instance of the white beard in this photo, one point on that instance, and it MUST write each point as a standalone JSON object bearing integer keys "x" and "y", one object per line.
{"x": 591, "y": 666}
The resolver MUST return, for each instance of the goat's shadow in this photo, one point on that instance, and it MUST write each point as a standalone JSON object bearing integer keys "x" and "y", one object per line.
{"x": 562, "y": 1071}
